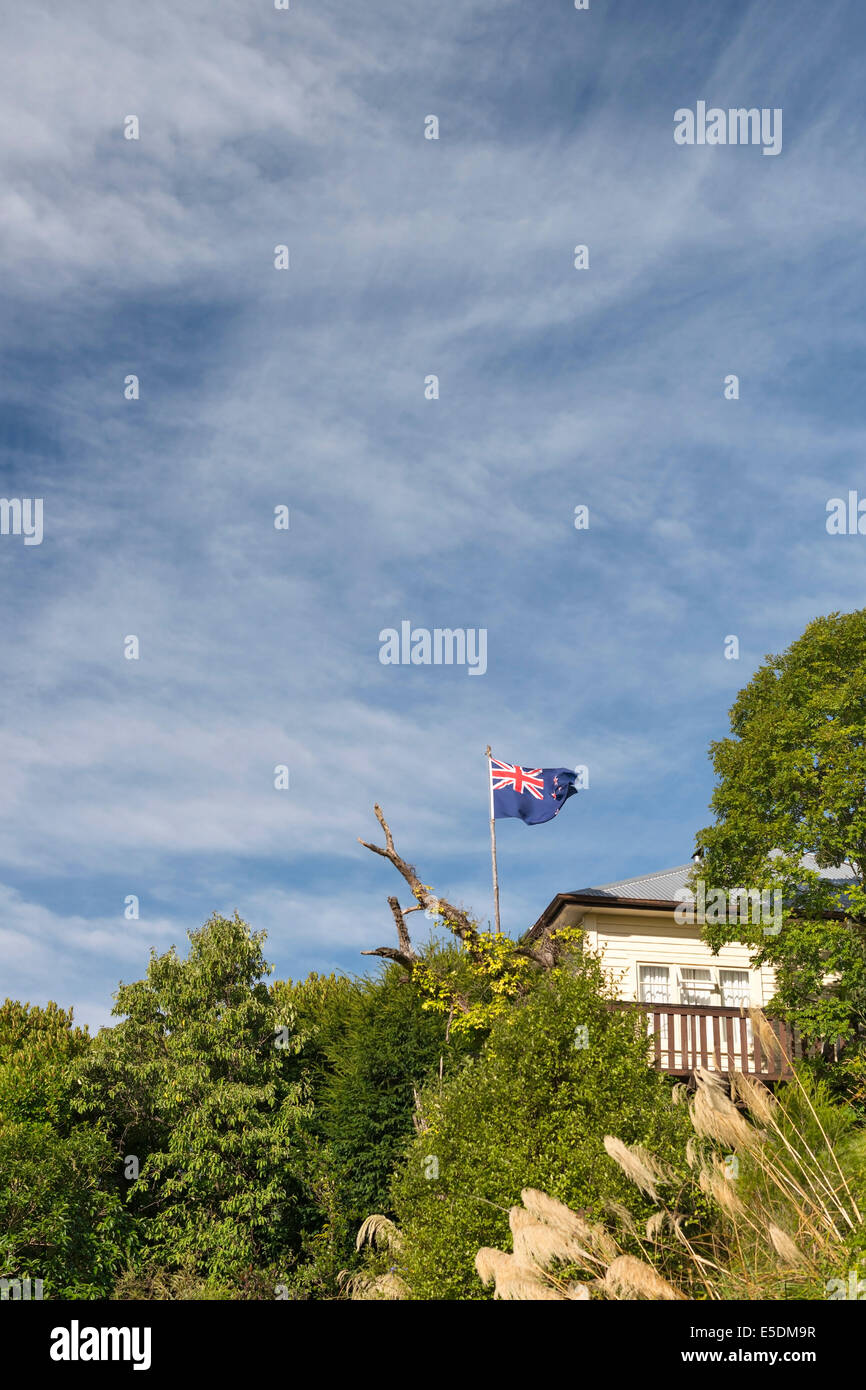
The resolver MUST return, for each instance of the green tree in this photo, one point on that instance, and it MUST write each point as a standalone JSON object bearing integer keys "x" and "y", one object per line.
{"x": 367, "y": 1048}
{"x": 392, "y": 1045}
{"x": 199, "y": 1083}
{"x": 37, "y": 1046}
{"x": 61, "y": 1214}
{"x": 792, "y": 782}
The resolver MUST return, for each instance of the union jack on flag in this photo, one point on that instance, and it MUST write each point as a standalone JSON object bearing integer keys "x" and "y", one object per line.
{"x": 520, "y": 778}
{"x": 535, "y": 794}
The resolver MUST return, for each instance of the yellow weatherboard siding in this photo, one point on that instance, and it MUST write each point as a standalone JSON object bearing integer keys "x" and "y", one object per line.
{"x": 627, "y": 938}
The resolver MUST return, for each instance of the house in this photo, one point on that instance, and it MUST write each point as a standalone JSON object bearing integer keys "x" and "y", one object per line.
{"x": 697, "y": 1003}
{"x": 655, "y": 960}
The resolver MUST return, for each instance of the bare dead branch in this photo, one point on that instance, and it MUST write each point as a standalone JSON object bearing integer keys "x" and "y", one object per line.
{"x": 391, "y": 953}
{"x": 456, "y": 919}
{"x": 402, "y": 930}
{"x": 406, "y": 955}
{"x": 544, "y": 953}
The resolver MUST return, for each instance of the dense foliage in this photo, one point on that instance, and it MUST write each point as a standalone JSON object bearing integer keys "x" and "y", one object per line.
{"x": 61, "y": 1213}
{"x": 557, "y": 1073}
{"x": 227, "y": 1138}
{"x": 198, "y": 1088}
{"x": 792, "y": 782}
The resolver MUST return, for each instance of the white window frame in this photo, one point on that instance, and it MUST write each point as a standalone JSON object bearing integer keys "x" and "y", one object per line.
{"x": 655, "y": 965}
{"x": 675, "y": 982}
{"x": 737, "y": 970}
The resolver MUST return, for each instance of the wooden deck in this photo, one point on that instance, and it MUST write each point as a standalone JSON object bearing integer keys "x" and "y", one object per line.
{"x": 683, "y": 1037}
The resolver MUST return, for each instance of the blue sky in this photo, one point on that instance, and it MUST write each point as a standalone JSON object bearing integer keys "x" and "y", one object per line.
{"x": 558, "y": 387}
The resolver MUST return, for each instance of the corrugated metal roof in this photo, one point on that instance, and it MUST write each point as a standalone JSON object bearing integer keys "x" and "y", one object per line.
{"x": 840, "y": 872}
{"x": 664, "y": 884}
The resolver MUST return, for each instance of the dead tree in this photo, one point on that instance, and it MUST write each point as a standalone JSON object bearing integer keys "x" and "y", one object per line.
{"x": 406, "y": 955}
{"x": 536, "y": 945}
{"x": 425, "y": 901}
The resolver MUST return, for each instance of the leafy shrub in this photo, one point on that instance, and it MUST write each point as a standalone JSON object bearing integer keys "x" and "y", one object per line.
{"x": 557, "y": 1073}
{"x": 61, "y": 1217}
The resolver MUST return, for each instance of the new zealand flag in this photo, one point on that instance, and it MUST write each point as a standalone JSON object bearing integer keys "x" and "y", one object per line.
{"x": 534, "y": 794}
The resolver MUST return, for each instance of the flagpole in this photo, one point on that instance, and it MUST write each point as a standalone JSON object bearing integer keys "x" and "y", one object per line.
{"x": 493, "y": 841}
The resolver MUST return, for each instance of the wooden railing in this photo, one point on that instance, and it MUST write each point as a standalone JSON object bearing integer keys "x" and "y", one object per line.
{"x": 684, "y": 1037}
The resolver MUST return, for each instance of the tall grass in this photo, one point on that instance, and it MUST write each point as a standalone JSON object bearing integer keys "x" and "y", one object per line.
{"x": 782, "y": 1182}
{"x": 768, "y": 1206}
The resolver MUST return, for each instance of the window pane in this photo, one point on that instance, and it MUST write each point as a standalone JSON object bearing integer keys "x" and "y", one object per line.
{"x": 695, "y": 986}
{"x": 654, "y": 984}
{"x": 735, "y": 995}
{"x": 735, "y": 988}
